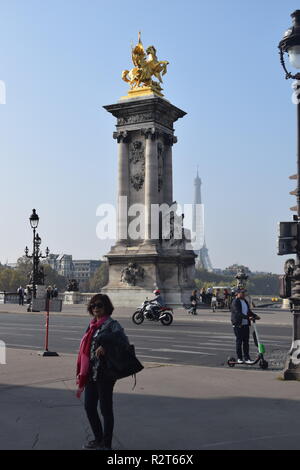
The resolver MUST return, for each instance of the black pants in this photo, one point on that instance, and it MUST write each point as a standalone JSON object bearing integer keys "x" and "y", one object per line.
{"x": 242, "y": 340}
{"x": 100, "y": 391}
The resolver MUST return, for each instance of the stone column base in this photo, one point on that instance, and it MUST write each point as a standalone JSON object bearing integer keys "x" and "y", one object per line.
{"x": 71, "y": 298}
{"x": 40, "y": 292}
{"x": 134, "y": 296}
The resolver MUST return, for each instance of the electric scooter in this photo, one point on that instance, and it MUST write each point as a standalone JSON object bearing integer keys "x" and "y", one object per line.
{"x": 263, "y": 364}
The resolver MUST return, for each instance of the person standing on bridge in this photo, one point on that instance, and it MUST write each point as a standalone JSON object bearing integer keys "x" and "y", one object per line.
{"x": 92, "y": 373}
{"x": 194, "y": 302}
{"x": 20, "y": 292}
{"x": 241, "y": 316}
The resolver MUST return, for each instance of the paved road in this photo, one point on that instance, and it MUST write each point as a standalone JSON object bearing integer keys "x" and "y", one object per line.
{"x": 184, "y": 342}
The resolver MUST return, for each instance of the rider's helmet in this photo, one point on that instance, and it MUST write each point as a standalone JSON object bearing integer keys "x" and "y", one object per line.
{"x": 156, "y": 292}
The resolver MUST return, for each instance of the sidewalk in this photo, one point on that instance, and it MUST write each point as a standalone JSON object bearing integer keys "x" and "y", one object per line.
{"x": 172, "y": 407}
{"x": 275, "y": 316}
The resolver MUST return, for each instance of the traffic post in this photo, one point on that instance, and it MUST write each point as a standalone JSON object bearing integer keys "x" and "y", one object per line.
{"x": 49, "y": 305}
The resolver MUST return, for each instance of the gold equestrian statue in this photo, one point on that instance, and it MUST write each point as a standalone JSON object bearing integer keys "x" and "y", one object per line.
{"x": 146, "y": 67}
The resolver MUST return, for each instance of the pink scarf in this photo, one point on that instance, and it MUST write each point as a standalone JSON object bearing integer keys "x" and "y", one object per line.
{"x": 83, "y": 360}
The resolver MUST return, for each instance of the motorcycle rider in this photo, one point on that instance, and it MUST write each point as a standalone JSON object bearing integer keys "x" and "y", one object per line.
{"x": 156, "y": 304}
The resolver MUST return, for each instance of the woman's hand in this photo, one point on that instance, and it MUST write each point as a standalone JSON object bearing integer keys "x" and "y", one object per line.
{"x": 100, "y": 351}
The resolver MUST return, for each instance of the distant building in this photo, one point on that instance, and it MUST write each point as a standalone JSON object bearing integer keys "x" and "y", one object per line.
{"x": 11, "y": 265}
{"x": 84, "y": 270}
{"x": 81, "y": 270}
{"x": 62, "y": 264}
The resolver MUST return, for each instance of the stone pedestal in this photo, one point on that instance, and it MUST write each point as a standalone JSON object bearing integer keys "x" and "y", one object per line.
{"x": 71, "y": 297}
{"x": 40, "y": 292}
{"x": 138, "y": 265}
{"x": 37, "y": 304}
{"x": 285, "y": 304}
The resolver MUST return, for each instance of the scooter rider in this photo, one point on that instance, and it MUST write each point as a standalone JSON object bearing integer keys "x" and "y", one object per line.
{"x": 241, "y": 316}
{"x": 157, "y": 302}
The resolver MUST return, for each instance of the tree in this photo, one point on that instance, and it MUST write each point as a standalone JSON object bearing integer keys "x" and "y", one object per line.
{"x": 100, "y": 278}
{"x": 24, "y": 267}
{"x": 257, "y": 284}
{"x": 236, "y": 267}
{"x": 11, "y": 279}
{"x": 53, "y": 278}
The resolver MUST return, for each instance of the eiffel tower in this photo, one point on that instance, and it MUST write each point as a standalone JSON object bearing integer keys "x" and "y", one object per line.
{"x": 203, "y": 260}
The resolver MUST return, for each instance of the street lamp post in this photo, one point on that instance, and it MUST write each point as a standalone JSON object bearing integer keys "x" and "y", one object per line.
{"x": 290, "y": 231}
{"x": 36, "y": 253}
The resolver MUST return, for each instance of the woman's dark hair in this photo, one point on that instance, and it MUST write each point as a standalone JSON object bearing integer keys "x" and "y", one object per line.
{"x": 108, "y": 306}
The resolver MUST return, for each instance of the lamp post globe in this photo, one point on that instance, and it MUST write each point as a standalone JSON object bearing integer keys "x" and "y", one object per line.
{"x": 290, "y": 44}
{"x": 34, "y": 219}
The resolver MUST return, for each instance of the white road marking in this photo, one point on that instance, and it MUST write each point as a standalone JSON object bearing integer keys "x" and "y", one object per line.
{"x": 151, "y": 337}
{"x": 16, "y": 334}
{"x": 249, "y": 439}
{"x": 155, "y": 357}
{"x": 181, "y": 351}
{"x": 38, "y": 328}
{"x": 203, "y": 347}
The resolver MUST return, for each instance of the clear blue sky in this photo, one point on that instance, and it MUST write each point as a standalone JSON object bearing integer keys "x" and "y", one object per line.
{"x": 61, "y": 61}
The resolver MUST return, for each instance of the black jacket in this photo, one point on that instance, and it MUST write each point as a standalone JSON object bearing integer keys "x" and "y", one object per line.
{"x": 236, "y": 313}
{"x": 112, "y": 337}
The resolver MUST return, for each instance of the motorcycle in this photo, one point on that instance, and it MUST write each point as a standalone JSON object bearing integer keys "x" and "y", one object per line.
{"x": 152, "y": 313}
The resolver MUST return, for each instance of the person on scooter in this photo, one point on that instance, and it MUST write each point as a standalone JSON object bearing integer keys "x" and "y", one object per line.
{"x": 156, "y": 303}
{"x": 241, "y": 316}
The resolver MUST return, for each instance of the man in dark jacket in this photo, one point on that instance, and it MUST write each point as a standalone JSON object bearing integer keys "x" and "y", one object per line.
{"x": 241, "y": 317}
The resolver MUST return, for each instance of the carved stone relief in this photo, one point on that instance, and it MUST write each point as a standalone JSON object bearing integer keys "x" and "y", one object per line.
{"x": 160, "y": 149}
{"x": 131, "y": 274}
{"x": 137, "y": 164}
{"x": 134, "y": 119}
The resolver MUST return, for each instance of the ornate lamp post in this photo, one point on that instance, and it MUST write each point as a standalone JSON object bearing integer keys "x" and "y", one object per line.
{"x": 289, "y": 236}
{"x": 36, "y": 253}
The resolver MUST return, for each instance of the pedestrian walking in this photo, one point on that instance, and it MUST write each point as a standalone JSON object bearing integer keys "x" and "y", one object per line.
{"x": 194, "y": 301}
{"x": 226, "y": 297}
{"x": 21, "y": 292}
{"x": 49, "y": 292}
{"x": 55, "y": 292}
{"x": 241, "y": 316}
{"x": 92, "y": 372}
{"x": 203, "y": 295}
{"x": 209, "y": 295}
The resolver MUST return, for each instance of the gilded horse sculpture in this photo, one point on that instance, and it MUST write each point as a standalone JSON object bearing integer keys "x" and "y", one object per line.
{"x": 146, "y": 66}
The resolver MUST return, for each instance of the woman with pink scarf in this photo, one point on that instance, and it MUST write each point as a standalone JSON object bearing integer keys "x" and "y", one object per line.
{"x": 92, "y": 374}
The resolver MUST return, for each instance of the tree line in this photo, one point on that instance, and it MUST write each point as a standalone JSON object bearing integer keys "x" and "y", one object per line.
{"x": 257, "y": 284}
{"x": 11, "y": 279}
